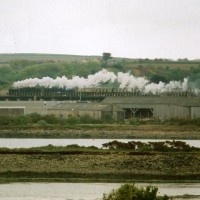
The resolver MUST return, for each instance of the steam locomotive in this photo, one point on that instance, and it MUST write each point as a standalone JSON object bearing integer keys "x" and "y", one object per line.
{"x": 82, "y": 93}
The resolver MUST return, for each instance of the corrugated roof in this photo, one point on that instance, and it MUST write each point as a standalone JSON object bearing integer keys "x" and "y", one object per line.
{"x": 86, "y": 106}
{"x": 29, "y": 104}
{"x": 179, "y": 101}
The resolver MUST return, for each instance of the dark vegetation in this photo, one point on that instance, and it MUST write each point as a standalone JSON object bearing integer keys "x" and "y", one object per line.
{"x": 50, "y": 149}
{"x": 181, "y": 122}
{"x": 36, "y": 120}
{"x": 167, "y": 146}
{"x": 15, "y": 67}
{"x": 132, "y": 192}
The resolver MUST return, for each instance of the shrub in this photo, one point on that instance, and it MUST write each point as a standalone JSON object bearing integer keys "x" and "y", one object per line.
{"x": 132, "y": 192}
{"x": 86, "y": 119}
{"x": 72, "y": 120}
{"x": 42, "y": 123}
{"x": 35, "y": 117}
{"x": 182, "y": 122}
{"x": 166, "y": 146}
{"x": 134, "y": 121}
{"x": 50, "y": 119}
{"x": 107, "y": 117}
{"x": 6, "y": 120}
{"x": 22, "y": 120}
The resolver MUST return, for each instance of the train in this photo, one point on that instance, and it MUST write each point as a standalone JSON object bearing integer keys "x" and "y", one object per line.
{"x": 68, "y": 94}
{"x": 83, "y": 94}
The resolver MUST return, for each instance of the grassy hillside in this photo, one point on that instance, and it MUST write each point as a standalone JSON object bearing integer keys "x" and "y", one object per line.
{"x": 15, "y": 67}
{"x": 44, "y": 57}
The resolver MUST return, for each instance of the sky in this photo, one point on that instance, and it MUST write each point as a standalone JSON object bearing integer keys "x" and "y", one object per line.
{"x": 125, "y": 28}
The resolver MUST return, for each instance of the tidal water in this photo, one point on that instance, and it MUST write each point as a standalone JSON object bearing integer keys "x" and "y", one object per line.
{"x": 83, "y": 191}
{"x": 27, "y": 143}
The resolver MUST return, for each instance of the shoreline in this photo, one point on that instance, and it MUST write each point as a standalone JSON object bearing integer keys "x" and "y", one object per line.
{"x": 79, "y": 180}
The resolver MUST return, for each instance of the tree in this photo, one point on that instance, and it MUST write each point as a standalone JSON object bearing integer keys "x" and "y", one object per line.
{"x": 106, "y": 56}
{"x": 157, "y": 78}
{"x": 20, "y": 64}
{"x": 46, "y": 69}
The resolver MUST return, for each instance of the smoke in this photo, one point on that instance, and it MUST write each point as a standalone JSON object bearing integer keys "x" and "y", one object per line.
{"x": 124, "y": 80}
{"x": 130, "y": 82}
{"x": 161, "y": 87}
{"x": 95, "y": 80}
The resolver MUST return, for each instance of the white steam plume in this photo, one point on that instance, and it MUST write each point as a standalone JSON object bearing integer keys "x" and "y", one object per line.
{"x": 102, "y": 76}
{"x": 125, "y": 81}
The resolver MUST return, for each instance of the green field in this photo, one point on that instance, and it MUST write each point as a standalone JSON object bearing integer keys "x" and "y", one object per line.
{"x": 43, "y": 57}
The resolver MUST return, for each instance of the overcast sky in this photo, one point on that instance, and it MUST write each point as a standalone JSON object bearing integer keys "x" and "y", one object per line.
{"x": 125, "y": 28}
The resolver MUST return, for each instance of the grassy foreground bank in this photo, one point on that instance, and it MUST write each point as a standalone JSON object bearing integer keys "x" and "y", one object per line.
{"x": 98, "y": 165}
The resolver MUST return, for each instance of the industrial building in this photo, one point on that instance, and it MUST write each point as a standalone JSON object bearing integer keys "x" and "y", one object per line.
{"x": 162, "y": 108}
{"x": 118, "y": 108}
{"x": 12, "y": 111}
{"x": 94, "y": 110}
{"x": 25, "y": 107}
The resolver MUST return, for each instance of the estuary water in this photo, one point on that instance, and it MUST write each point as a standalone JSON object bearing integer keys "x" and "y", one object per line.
{"x": 27, "y": 143}
{"x": 83, "y": 191}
